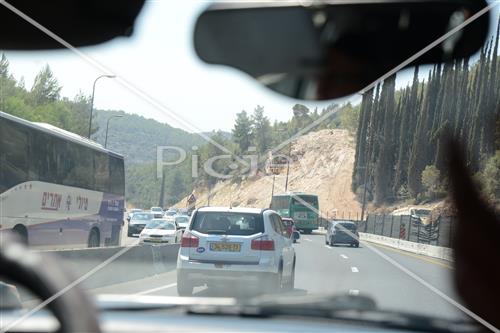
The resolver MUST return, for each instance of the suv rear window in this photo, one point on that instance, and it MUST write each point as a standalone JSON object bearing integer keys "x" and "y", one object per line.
{"x": 348, "y": 226}
{"x": 228, "y": 223}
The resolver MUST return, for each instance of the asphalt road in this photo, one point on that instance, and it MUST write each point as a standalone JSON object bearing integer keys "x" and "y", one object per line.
{"x": 368, "y": 270}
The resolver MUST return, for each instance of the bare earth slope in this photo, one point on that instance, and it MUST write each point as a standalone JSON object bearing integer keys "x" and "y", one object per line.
{"x": 323, "y": 163}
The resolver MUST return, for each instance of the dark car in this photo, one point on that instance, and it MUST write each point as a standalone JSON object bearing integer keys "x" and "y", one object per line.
{"x": 137, "y": 223}
{"x": 342, "y": 232}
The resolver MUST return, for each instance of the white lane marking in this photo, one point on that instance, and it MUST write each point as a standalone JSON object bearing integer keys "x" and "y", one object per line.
{"x": 354, "y": 269}
{"x": 307, "y": 239}
{"x": 149, "y": 291}
{"x": 344, "y": 256}
{"x": 354, "y": 292}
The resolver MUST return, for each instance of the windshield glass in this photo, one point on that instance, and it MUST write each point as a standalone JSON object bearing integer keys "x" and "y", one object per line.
{"x": 305, "y": 201}
{"x": 160, "y": 224}
{"x": 227, "y": 223}
{"x": 182, "y": 219}
{"x": 155, "y": 127}
{"x": 142, "y": 216}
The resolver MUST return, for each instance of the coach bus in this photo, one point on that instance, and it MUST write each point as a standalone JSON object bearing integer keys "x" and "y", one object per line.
{"x": 58, "y": 189}
{"x": 302, "y": 207}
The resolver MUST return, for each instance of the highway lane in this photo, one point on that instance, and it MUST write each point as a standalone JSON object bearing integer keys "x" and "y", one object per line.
{"x": 323, "y": 270}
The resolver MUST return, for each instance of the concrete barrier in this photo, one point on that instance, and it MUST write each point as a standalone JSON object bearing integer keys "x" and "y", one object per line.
{"x": 418, "y": 248}
{"x": 137, "y": 262}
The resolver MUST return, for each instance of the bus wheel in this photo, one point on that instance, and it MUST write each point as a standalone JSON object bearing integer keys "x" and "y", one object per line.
{"x": 94, "y": 240}
{"x": 22, "y": 232}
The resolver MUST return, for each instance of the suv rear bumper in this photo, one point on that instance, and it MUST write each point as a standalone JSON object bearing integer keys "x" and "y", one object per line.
{"x": 200, "y": 273}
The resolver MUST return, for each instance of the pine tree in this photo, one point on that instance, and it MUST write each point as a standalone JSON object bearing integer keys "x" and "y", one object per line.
{"x": 242, "y": 131}
{"x": 45, "y": 88}
{"x": 261, "y": 130}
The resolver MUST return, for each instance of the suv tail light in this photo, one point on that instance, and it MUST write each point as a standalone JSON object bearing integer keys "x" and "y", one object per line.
{"x": 189, "y": 240}
{"x": 263, "y": 244}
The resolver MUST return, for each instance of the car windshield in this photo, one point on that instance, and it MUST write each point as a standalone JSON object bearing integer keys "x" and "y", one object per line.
{"x": 422, "y": 212}
{"x": 142, "y": 216}
{"x": 143, "y": 123}
{"x": 228, "y": 223}
{"x": 160, "y": 224}
{"x": 182, "y": 219}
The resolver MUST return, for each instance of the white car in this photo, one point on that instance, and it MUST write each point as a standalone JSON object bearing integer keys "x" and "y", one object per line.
{"x": 160, "y": 231}
{"x": 249, "y": 247}
{"x": 182, "y": 221}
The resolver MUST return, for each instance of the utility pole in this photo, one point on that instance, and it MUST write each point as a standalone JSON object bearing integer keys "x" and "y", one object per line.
{"x": 272, "y": 190}
{"x": 288, "y": 163}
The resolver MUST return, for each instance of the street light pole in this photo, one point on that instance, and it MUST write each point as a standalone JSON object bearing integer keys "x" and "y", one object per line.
{"x": 92, "y": 99}
{"x": 107, "y": 128}
{"x": 288, "y": 164}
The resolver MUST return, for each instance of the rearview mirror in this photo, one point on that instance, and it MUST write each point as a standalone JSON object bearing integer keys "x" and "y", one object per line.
{"x": 329, "y": 50}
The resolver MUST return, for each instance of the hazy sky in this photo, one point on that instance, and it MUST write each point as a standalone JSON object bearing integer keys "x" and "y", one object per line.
{"x": 159, "y": 59}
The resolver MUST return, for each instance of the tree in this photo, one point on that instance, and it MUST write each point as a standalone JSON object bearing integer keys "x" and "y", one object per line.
{"x": 431, "y": 181}
{"x": 242, "y": 131}
{"x": 261, "y": 130}
{"x": 45, "y": 88}
{"x": 176, "y": 188}
{"x": 301, "y": 117}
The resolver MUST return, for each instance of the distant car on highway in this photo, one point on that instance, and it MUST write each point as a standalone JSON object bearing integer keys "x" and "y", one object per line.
{"x": 160, "y": 231}
{"x": 138, "y": 222}
{"x": 182, "y": 221}
{"x": 170, "y": 212}
{"x": 132, "y": 212}
{"x": 290, "y": 227}
{"x": 156, "y": 210}
{"x": 342, "y": 232}
{"x": 246, "y": 246}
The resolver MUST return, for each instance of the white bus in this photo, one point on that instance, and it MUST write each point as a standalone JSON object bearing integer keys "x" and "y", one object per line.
{"x": 58, "y": 189}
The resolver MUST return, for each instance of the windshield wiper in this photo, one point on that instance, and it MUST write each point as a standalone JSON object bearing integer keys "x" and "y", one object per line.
{"x": 354, "y": 309}
{"x": 357, "y": 309}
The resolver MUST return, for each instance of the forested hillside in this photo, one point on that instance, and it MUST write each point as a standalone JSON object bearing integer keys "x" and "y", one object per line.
{"x": 137, "y": 137}
{"x": 399, "y": 151}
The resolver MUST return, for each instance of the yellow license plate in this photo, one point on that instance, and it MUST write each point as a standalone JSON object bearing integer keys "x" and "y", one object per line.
{"x": 225, "y": 247}
{"x": 155, "y": 240}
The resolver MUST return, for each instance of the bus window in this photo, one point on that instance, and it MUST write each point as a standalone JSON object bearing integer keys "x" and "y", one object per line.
{"x": 280, "y": 202}
{"x": 117, "y": 175}
{"x": 14, "y": 153}
{"x": 299, "y": 201}
{"x": 101, "y": 172}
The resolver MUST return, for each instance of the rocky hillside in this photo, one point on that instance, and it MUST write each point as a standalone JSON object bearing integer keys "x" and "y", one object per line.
{"x": 323, "y": 163}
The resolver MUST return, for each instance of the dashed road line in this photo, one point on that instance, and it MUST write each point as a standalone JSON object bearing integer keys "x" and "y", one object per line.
{"x": 344, "y": 256}
{"x": 354, "y": 269}
{"x": 149, "y": 291}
